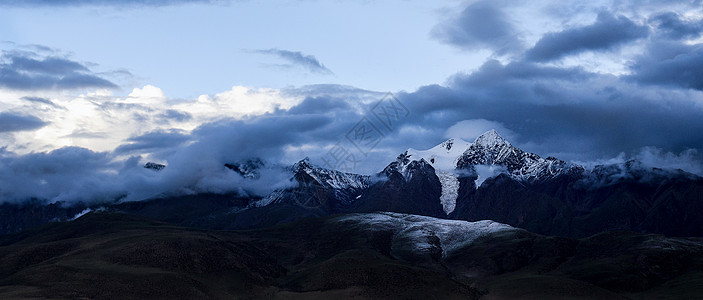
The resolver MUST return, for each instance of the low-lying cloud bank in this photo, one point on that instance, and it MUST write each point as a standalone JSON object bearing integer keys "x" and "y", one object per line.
{"x": 195, "y": 158}
{"x": 77, "y": 174}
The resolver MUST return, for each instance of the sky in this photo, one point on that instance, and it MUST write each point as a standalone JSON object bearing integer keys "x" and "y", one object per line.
{"x": 92, "y": 90}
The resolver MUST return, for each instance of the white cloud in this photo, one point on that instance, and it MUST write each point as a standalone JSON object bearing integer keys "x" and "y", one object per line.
{"x": 688, "y": 160}
{"x": 147, "y": 94}
{"x": 101, "y": 121}
{"x": 241, "y": 101}
{"x": 488, "y": 171}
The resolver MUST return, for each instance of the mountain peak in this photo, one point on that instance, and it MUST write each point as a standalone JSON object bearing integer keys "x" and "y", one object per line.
{"x": 453, "y": 144}
{"x": 247, "y": 168}
{"x": 303, "y": 164}
{"x": 447, "y": 145}
{"x": 443, "y": 156}
{"x": 154, "y": 166}
{"x": 490, "y": 138}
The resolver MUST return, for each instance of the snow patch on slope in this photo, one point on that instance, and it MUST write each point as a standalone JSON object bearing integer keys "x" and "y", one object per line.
{"x": 85, "y": 211}
{"x": 443, "y": 156}
{"x": 450, "y": 190}
{"x": 80, "y": 214}
{"x": 332, "y": 178}
{"x": 421, "y": 231}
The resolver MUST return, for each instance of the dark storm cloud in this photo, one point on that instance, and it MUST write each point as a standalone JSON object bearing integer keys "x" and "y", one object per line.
{"x": 669, "y": 60}
{"x": 480, "y": 25}
{"x": 672, "y": 63}
{"x": 69, "y": 3}
{"x": 296, "y": 58}
{"x": 24, "y": 71}
{"x": 492, "y": 71}
{"x": 578, "y": 115}
{"x": 671, "y": 25}
{"x": 153, "y": 140}
{"x": 66, "y": 174}
{"x": 10, "y": 122}
{"x": 606, "y": 33}
{"x": 232, "y": 140}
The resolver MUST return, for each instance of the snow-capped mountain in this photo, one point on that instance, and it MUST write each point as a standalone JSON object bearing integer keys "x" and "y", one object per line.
{"x": 331, "y": 178}
{"x": 249, "y": 168}
{"x": 443, "y": 156}
{"x": 546, "y": 196}
{"x": 316, "y": 185}
{"x": 491, "y": 149}
{"x": 456, "y": 158}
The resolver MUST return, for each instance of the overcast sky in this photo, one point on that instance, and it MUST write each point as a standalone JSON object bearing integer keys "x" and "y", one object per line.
{"x": 91, "y": 90}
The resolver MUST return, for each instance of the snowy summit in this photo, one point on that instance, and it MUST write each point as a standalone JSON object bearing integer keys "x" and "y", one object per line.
{"x": 488, "y": 156}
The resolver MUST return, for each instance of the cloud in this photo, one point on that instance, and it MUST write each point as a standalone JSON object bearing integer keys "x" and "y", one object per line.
{"x": 48, "y": 65}
{"x": 670, "y": 63}
{"x": 319, "y": 105}
{"x": 480, "y": 25}
{"x": 493, "y": 70}
{"x": 238, "y": 102}
{"x": 688, "y": 160}
{"x": 351, "y": 93}
{"x": 567, "y": 113}
{"x": 85, "y": 134}
{"x": 102, "y": 121}
{"x": 66, "y": 174}
{"x": 606, "y": 33}
{"x": 40, "y": 100}
{"x": 10, "y": 122}
{"x": 685, "y": 69}
{"x": 29, "y": 71}
{"x": 159, "y": 139}
{"x": 194, "y": 157}
{"x": 78, "y": 174}
{"x": 71, "y": 3}
{"x": 148, "y": 92}
{"x": 296, "y": 58}
{"x": 484, "y": 172}
{"x": 672, "y": 25}
{"x": 172, "y": 115}
{"x": 579, "y": 115}
{"x": 469, "y": 130}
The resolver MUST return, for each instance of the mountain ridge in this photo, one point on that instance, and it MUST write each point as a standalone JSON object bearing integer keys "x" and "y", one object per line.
{"x": 361, "y": 255}
{"x": 545, "y": 196}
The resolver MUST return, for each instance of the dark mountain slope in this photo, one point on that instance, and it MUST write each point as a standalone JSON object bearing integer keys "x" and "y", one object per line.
{"x": 105, "y": 256}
